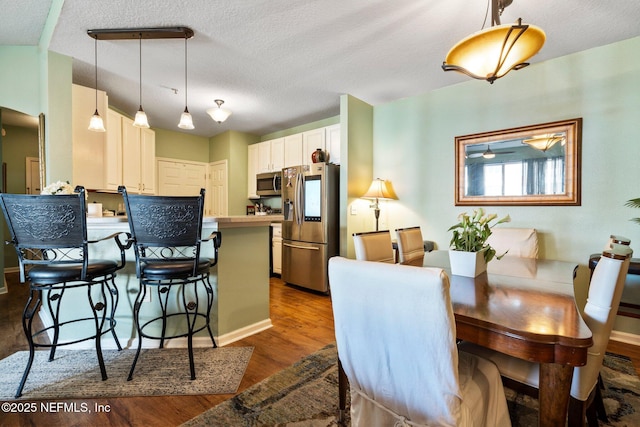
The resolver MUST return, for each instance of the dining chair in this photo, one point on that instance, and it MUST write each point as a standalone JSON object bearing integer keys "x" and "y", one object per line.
{"x": 401, "y": 359}
{"x": 599, "y": 314}
{"x": 49, "y": 234}
{"x": 166, "y": 235}
{"x": 374, "y": 246}
{"x": 410, "y": 245}
{"x": 520, "y": 242}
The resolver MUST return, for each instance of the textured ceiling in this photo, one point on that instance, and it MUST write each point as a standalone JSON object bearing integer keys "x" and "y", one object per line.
{"x": 282, "y": 63}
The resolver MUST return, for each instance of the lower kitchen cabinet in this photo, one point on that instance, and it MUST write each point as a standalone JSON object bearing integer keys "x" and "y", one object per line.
{"x": 276, "y": 248}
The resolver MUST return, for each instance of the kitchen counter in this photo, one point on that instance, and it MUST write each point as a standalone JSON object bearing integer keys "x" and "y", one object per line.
{"x": 240, "y": 279}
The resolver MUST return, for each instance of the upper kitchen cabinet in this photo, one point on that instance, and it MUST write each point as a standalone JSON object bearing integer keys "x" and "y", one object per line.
{"x": 293, "y": 150}
{"x": 270, "y": 155}
{"x": 87, "y": 146}
{"x": 138, "y": 158}
{"x": 113, "y": 151}
{"x": 311, "y": 141}
{"x": 332, "y": 143}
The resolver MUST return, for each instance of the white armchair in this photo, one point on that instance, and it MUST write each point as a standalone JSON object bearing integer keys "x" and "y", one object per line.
{"x": 397, "y": 346}
{"x": 374, "y": 246}
{"x": 520, "y": 242}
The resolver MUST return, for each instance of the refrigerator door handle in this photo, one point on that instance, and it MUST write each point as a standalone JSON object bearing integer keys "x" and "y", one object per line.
{"x": 311, "y": 248}
{"x": 299, "y": 186}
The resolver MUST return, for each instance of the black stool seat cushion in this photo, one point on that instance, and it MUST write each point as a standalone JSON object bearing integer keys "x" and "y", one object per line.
{"x": 57, "y": 273}
{"x": 173, "y": 269}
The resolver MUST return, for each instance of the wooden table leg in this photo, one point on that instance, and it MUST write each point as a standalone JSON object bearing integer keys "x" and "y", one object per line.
{"x": 555, "y": 386}
{"x": 343, "y": 385}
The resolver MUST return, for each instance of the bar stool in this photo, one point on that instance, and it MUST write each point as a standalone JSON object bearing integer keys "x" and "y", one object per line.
{"x": 49, "y": 234}
{"x": 166, "y": 235}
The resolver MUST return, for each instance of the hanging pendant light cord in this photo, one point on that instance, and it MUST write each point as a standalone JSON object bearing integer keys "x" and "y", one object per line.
{"x": 185, "y": 73}
{"x": 140, "y": 70}
{"x": 95, "y": 50}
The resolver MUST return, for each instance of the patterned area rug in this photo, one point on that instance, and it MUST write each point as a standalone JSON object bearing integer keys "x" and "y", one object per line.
{"x": 75, "y": 373}
{"x": 306, "y": 394}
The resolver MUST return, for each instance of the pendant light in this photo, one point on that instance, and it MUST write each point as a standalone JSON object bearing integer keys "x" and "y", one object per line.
{"x": 96, "y": 124}
{"x": 186, "y": 121}
{"x": 141, "y": 117}
{"x": 491, "y": 53}
{"x": 219, "y": 114}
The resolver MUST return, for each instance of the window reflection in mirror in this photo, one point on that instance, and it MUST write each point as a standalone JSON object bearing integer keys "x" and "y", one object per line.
{"x": 530, "y": 165}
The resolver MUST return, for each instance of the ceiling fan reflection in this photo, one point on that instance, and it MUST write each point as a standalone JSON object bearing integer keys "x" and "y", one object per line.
{"x": 487, "y": 154}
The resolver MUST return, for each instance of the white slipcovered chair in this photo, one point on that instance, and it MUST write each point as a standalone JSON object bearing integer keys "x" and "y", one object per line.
{"x": 374, "y": 246}
{"x": 599, "y": 314}
{"x": 397, "y": 346}
{"x": 520, "y": 242}
{"x": 410, "y": 245}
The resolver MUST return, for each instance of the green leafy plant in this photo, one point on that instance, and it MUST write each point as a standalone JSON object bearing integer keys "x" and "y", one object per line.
{"x": 470, "y": 234}
{"x": 634, "y": 203}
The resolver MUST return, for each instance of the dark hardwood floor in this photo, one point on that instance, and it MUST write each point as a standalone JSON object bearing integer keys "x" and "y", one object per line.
{"x": 302, "y": 323}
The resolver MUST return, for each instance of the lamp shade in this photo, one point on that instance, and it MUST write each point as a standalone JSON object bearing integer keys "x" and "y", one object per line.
{"x": 186, "y": 121}
{"x": 96, "y": 123}
{"x": 491, "y": 53}
{"x": 380, "y": 189}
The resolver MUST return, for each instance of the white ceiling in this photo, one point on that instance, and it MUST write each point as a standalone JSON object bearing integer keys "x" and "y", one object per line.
{"x": 282, "y": 63}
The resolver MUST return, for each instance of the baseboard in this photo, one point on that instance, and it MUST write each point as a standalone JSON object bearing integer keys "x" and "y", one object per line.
{"x": 241, "y": 333}
{"x": 625, "y": 337}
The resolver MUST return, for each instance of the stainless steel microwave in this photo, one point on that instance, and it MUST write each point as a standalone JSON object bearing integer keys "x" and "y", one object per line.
{"x": 269, "y": 184}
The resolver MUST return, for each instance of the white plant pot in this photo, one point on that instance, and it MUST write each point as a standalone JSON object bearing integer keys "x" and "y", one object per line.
{"x": 468, "y": 264}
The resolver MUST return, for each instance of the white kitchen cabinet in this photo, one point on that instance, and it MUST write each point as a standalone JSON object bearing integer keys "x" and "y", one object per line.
{"x": 270, "y": 155}
{"x": 113, "y": 151}
{"x": 252, "y": 170}
{"x": 311, "y": 141}
{"x": 87, "y": 146}
{"x": 332, "y": 143}
{"x": 293, "y": 150}
{"x": 138, "y": 158}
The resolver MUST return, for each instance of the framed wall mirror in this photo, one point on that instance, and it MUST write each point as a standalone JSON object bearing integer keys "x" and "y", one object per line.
{"x": 529, "y": 165}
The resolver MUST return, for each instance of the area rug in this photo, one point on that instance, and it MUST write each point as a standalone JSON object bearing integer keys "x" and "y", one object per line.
{"x": 75, "y": 373}
{"x": 306, "y": 394}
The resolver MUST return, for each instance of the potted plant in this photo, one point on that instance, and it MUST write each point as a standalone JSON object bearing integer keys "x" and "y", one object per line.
{"x": 469, "y": 251}
{"x": 634, "y": 203}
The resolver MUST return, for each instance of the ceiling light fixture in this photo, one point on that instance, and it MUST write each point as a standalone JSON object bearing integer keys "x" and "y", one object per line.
{"x": 141, "y": 120}
{"x": 186, "y": 121}
{"x": 96, "y": 123}
{"x": 219, "y": 114}
{"x": 139, "y": 34}
{"x": 491, "y": 53}
{"x": 545, "y": 141}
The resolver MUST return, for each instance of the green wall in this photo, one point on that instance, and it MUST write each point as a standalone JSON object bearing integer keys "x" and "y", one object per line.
{"x": 182, "y": 146}
{"x": 414, "y": 149}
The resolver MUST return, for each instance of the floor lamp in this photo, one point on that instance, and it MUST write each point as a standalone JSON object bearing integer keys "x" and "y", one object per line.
{"x": 379, "y": 190}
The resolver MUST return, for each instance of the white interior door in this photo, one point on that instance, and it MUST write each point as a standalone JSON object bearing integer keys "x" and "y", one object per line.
{"x": 179, "y": 178}
{"x": 218, "y": 188}
{"x": 33, "y": 176}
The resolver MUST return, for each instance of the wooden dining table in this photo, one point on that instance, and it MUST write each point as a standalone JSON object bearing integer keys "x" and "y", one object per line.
{"x": 525, "y": 308}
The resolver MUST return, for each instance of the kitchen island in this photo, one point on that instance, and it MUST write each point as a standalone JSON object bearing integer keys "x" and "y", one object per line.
{"x": 240, "y": 280}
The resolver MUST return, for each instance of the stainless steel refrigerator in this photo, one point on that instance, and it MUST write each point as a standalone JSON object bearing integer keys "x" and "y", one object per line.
{"x": 310, "y": 230}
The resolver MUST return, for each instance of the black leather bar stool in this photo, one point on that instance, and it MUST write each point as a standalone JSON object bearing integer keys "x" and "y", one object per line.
{"x": 49, "y": 233}
{"x": 166, "y": 235}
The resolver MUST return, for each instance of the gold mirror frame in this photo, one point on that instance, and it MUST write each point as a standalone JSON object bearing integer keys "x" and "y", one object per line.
{"x": 571, "y": 129}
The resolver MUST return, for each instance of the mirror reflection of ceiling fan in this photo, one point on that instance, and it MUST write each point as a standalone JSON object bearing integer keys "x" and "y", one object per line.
{"x": 487, "y": 154}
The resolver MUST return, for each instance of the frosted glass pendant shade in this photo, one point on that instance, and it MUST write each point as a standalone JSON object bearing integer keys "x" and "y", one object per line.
{"x": 96, "y": 123}
{"x": 141, "y": 119}
{"x": 219, "y": 114}
{"x": 186, "y": 121}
